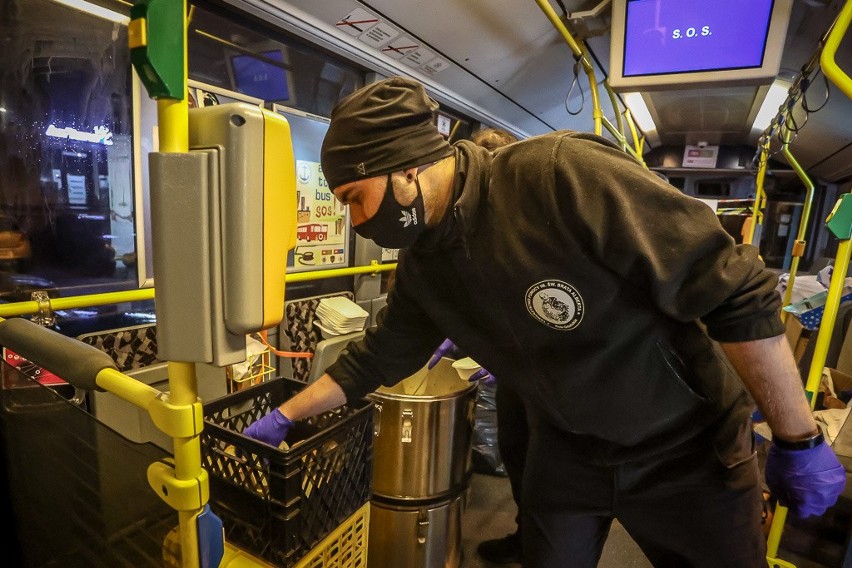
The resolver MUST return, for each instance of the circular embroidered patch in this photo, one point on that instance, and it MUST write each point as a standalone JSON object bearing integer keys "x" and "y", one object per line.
{"x": 555, "y": 303}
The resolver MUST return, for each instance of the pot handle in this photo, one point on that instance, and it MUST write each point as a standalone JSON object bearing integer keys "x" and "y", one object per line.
{"x": 422, "y": 525}
{"x": 407, "y": 426}
{"x": 377, "y": 418}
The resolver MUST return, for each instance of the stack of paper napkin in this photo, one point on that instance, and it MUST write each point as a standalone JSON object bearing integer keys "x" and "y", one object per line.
{"x": 340, "y": 315}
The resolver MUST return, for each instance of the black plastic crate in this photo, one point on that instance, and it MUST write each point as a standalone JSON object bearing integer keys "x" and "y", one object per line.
{"x": 278, "y": 504}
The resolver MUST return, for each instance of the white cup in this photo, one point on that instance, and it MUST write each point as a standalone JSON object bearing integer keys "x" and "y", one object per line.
{"x": 466, "y": 367}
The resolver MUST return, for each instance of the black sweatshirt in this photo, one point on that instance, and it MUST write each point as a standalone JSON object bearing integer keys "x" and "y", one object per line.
{"x": 595, "y": 288}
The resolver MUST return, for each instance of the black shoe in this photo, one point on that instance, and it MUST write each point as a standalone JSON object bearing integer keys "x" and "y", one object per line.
{"x": 501, "y": 550}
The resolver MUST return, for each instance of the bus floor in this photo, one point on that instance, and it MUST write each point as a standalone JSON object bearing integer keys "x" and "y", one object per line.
{"x": 490, "y": 513}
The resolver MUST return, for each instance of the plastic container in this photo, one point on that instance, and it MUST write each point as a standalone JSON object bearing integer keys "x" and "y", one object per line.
{"x": 278, "y": 504}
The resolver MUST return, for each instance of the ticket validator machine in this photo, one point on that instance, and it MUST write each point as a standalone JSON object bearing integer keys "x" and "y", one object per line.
{"x": 223, "y": 219}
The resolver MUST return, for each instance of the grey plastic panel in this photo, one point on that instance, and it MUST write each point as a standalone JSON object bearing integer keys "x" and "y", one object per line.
{"x": 187, "y": 260}
{"x": 327, "y": 352}
{"x": 134, "y": 423}
{"x": 181, "y": 236}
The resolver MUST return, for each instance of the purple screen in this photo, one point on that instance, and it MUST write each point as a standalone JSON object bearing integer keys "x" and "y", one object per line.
{"x": 261, "y": 79}
{"x": 677, "y": 36}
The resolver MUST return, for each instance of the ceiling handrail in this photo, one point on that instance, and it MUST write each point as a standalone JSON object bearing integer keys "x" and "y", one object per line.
{"x": 832, "y": 42}
{"x": 581, "y": 56}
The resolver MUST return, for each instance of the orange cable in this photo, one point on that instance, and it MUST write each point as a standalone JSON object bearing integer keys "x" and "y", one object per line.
{"x": 294, "y": 354}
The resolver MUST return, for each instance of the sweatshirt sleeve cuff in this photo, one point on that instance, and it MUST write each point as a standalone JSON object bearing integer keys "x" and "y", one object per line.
{"x": 739, "y": 331}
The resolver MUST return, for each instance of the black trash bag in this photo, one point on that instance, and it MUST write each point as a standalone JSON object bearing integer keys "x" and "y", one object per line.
{"x": 485, "y": 456}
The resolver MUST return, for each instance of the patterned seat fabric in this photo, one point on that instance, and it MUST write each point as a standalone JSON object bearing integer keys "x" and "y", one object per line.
{"x": 130, "y": 347}
{"x": 299, "y": 329}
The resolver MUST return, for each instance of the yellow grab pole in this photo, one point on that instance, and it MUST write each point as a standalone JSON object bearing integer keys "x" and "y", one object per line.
{"x": 826, "y": 326}
{"x": 620, "y": 124}
{"x": 799, "y": 245}
{"x": 839, "y": 223}
{"x": 758, "y": 191}
{"x": 638, "y": 142}
{"x": 173, "y": 125}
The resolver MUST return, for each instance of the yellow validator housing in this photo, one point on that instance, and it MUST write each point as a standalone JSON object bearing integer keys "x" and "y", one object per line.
{"x": 279, "y": 213}
{"x": 234, "y": 198}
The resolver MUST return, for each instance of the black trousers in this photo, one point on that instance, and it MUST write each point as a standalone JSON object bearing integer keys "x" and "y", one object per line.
{"x": 513, "y": 438}
{"x": 695, "y": 509}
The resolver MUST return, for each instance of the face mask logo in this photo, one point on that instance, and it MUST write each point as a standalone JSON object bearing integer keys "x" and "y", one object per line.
{"x": 408, "y": 218}
{"x": 394, "y": 226}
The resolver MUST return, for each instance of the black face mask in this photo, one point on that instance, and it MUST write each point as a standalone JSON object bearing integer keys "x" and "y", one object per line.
{"x": 394, "y": 226}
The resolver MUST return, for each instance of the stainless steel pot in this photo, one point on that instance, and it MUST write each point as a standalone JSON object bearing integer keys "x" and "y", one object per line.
{"x": 426, "y": 536}
{"x": 423, "y": 434}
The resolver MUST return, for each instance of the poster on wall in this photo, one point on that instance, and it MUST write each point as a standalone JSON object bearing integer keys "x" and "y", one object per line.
{"x": 322, "y": 233}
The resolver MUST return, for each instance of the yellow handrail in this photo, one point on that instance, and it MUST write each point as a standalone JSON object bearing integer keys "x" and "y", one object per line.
{"x": 799, "y": 245}
{"x": 759, "y": 192}
{"x": 600, "y": 120}
{"x": 89, "y": 300}
{"x": 826, "y": 59}
{"x": 613, "y": 99}
{"x": 580, "y": 55}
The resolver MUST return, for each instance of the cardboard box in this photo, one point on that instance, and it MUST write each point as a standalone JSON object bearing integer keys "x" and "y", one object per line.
{"x": 841, "y": 381}
{"x": 797, "y": 336}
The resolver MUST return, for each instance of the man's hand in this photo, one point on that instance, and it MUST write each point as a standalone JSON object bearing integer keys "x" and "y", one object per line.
{"x": 446, "y": 349}
{"x": 271, "y": 429}
{"x": 806, "y": 481}
{"x": 483, "y": 375}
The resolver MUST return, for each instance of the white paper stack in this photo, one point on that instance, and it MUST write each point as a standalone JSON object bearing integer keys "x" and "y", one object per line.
{"x": 340, "y": 315}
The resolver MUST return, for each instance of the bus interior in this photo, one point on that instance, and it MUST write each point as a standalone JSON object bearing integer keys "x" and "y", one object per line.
{"x": 758, "y": 126}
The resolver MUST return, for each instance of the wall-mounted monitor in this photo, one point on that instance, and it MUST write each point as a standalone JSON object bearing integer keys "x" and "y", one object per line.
{"x": 262, "y": 76}
{"x": 664, "y": 44}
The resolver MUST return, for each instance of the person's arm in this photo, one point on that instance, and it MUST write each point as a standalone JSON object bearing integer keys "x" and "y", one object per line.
{"x": 769, "y": 371}
{"x": 321, "y": 395}
{"x": 801, "y": 470}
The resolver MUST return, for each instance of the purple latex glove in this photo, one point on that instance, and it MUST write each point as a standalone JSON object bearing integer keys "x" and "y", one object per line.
{"x": 806, "y": 481}
{"x": 271, "y": 429}
{"x": 446, "y": 349}
{"x": 483, "y": 375}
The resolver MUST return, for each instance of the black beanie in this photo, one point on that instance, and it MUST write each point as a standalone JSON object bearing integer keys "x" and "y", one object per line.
{"x": 379, "y": 129}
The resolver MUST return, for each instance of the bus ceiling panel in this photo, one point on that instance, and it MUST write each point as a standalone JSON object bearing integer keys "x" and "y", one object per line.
{"x": 506, "y": 65}
{"x": 506, "y": 60}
